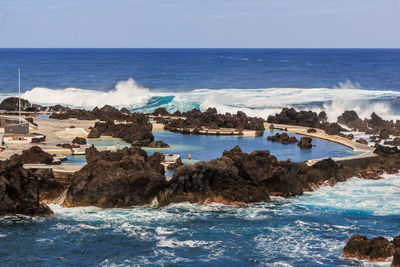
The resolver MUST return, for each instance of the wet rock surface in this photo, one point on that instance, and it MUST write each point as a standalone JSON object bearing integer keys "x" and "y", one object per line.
{"x": 283, "y": 138}
{"x": 260, "y": 175}
{"x": 374, "y": 249}
{"x": 120, "y": 179}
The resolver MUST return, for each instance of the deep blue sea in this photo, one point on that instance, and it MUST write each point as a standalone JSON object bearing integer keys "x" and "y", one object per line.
{"x": 309, "y": 230}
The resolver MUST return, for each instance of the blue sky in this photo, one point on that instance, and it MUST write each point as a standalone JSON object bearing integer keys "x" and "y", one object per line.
{"x": 200, "y": 23}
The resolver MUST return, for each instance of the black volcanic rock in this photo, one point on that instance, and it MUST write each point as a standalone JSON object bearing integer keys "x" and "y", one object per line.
{"x": 33, "y": 155}
{"x": 138, "y": 134}
{"x": 362, "y": 141}
{"x": 283, "y": 138}
{"x": 351, "y": 120}
{"x": 334, "y": 129}
{"x": 305, "y": 143}
{"x": 79, "y": 141}
{"x": 120, "y": 179}
{"x": 158, "y": 144}
{"x": 374, "y": 249}
{"x": 292, "y": 117}
{"x": 394, "y": 142}
{"x": 80, "y": 114}
{"x": 161, "y": 111}
{"x": 12, "y": 104}
{"x": 213, "y": 120}
{"x": 322, "y": 116}
{"x": 19, "y": 190}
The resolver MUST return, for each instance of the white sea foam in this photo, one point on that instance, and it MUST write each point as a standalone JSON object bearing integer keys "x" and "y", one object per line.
{"x": 126, "y": 93}
{"x": 378, "y": 197}
{"x": 255, "y": 102}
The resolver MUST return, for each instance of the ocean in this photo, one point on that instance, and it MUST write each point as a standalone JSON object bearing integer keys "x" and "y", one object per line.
{"x": 308, "y": 230}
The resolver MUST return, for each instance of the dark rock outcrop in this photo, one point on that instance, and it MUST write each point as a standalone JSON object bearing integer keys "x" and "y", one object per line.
{"x": 158, "y": 144}
{"x": 374, "y": 249}
{"x": 121, "y": 179}
{"x": 334, "y": 129}
{"x": 396, "y": 258}
{"x": 161, "y": 111}
{"x": 362, "y": 141}
{"x": 137, "y": 134}
{"x": 283, "y": 138}
{"x": 34, "y": 155}
{"x": 292, "y": 117}
{"x": 19, "y": 190}
{"x": 213, "y": 120}
{"x": 394, "y": 142}
{"x": 38, "y": 139}
{"x": 12, "y": 104}
{"x": 305, "y": 143}
{"x": 79, "y": 141}
{"x": 351, "y": 120}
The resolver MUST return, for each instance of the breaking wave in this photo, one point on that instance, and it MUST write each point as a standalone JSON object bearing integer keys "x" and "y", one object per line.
{"x": 255, "y": 102}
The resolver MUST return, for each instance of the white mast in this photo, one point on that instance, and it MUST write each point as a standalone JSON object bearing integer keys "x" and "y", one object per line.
{"x": 19, "y": 95}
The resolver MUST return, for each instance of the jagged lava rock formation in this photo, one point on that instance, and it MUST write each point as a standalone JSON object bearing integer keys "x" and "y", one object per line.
{"x": 124, "y": 178}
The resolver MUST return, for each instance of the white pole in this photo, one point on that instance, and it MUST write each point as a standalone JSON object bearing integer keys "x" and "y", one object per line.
{"x": 19, "y": 95}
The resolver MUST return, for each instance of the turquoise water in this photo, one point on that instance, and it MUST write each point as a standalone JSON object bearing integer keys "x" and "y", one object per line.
{"x": 206, "y": 148}
{"x": 199, "y": 146}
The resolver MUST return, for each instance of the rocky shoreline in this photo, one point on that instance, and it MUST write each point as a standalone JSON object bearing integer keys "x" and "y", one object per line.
{"x": 129, "y": 177}
{"x": 376, "y": 249}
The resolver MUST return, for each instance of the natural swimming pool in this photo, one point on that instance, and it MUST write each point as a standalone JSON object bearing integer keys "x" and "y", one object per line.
{"x": 206, "y": 148}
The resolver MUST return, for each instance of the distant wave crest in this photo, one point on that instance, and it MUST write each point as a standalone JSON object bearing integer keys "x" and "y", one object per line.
{"x": 255, "y": 102}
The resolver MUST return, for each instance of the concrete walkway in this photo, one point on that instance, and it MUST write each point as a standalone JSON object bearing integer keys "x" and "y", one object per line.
{"x": 366, "y": 151}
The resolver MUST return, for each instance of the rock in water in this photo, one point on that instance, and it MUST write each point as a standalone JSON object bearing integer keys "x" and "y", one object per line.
{"x": 158, "y": 144}
{"x": 305, "y": 143}
{"x": 283, "y": 138}
{"x": 120, "y": 179}
{"x": 374, "y": 249}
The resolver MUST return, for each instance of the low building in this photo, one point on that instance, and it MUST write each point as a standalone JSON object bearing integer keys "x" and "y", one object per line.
{"x": 21, "y": 128}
